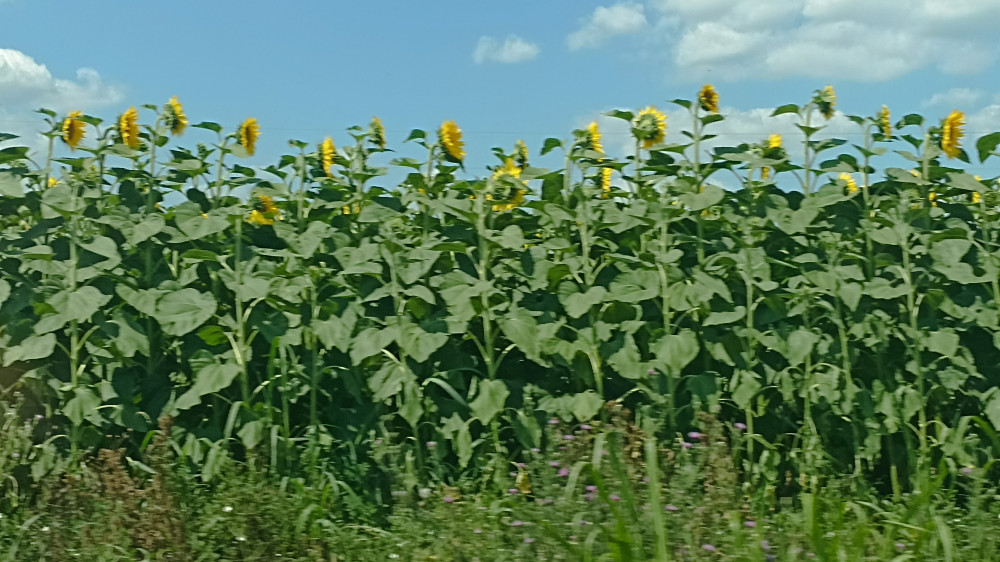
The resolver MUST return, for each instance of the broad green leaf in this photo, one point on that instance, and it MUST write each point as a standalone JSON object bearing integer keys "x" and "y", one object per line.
{"x": 82, "y": 405}
{"x": 210, "y": 379}
{"x": 944, "y": 342}
{"x": 490, "y": 400}
{"x": 10, "y": 185}
{"x": 986, "y": 145}
{"x": 676, "y": 351}
{"x": 180, "y": 312}
{"x": 578, "y": 304}
{"x": 33, "y": 347}
{"x": 585, "y": 405}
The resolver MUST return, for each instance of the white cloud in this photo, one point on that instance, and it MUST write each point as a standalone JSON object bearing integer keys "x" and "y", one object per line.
{"x": 27, "y": 86}
{"x": 955, "y": 97}
{"x": 511, "y": 50}
{"x": 619, "y": 19}
{"x": 826, "y": 39}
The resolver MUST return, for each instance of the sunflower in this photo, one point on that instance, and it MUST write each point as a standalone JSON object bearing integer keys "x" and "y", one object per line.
{"x": 765, "y": 173}
{"x": 73, "y": 129}
{"x": 774, "y": 141}
{"x": 259, "y": 218}
{"x": 248, "y": 133}
{"x": 951, "y": 133}
{"x": 521, "y": 153}
{"x": 932, "y": 197}
{"x": 708, "y": 99}
{"x": 378, "y": 133}
{"x": 976, "y": 197}
{"x": 605, "y": 182}
{"x": 883, "y": 121}
{"x": 451, "y": 139}
{"x": 826, "y": 100}
{"x": 327, "y": 151}
{"x": 852, "y": 186}
{"x": 593, "y": 139}
{"x": 650, "y": 126}
{"x": 53, "y": 181}
{"x": 264, "y": 211}
{"x": 175, "y": 118}
{"x": 509, "y": 169}
{"x": 128, "y": 127}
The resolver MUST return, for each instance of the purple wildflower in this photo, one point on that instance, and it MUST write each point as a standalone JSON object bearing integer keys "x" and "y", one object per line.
{"x": 686, "y": 445}
{"x": 513, "y": 491}
{"x": 553, "y": 421}
{"x": 516, "y": 523}
{"x": 591, "y": 488}
{"x": 694, "y": 435}
{"x": 900, "y": 546}
{"x": 554, "y": 464}
{"x": 448, "y": 499}
{"x": 586, "y": 426}
{"x": 588, "y": 496}
{"x": 708, "y": 547}
{"x": 569, "y": 437}
{"x": 740, "y": 426}
{"x": 765, "y": 544}
{"x": 670, "y": 507}
{"x": 750, "y": 524}
{"x": 563, "y": 472}
{"x": 614, "y": 497}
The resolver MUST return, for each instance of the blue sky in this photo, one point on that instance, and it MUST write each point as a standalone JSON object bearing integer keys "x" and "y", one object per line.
{"x": 518, "y": 69}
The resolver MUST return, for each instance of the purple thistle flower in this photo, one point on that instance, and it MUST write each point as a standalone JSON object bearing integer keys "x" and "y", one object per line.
{"x": 694, "y": 435}
{"x": 569, "y": 437}
{"x": 591, "y": 488}
{"x": 588, "y": 496}
{"x": 563, "y": 472}
{"x": 586, "y": 426}
{"x": 614, "y": 497}
{"x": 670, "y": 507}
{"x": 900, "y": 546}
{"x": 554, "y": 464}
{"x": 513, "y": 491}
{"x": 750, "y": 524}
{"x": 765, "y": 544}
{"x": 708, "y": 547}
{"x": 448, "y": 499}
{"x": 740, "y": 426}
{"x": 686, "y": 445}
{"x": 553, "y": 421}
{"x": 516, "y": 523}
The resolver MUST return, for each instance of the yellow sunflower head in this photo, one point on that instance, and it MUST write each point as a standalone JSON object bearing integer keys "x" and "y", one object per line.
{"x": 521, "y": 153}
{"x": 451, "y": 139}
{"x": 73, "y": 129}
{"x": 378, "y": 133}
{"x": 774, "y": 141}
{"x": 932, "y": 197}
{"x": 605, "y": 182}
{"x": 174, "y": 117}
{"x": 327, "y": 151}
{"x": 265, "y": 204}
{"x": 826, "y": 100}
{"x": 264, "y": 210}
{"x": 765, "y": 173}
{"x": 128, "y": 127}
{"x": 976, "y": 197}
{"x": 883, "y": 121}
{"x": 650, "y": 126}
{"x": 852, "y": 186}
{"x": 593, "y": 138}
{"x": 951, "y": 133}
{"x": 248, "y": 133}
{"x": 708, "y": 99}
{"x": 259, "y": 218}
{"x": 509, "y": 169}
{"x": 53, "y": 181}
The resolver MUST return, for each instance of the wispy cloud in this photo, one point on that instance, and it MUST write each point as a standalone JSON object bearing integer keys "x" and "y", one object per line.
{"x": 961, "y": 98}
{"x": 511, "y": 50}
{"x": 28, "y": 85}
{"x": 825, "y": 39}
{"x": 605, "y": 22}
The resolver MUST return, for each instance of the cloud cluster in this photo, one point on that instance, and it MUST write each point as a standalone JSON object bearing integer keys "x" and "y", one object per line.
{"x": 27, "y": 86}
{"x": 606, "y": 22}
{"x": 824, "y": 39}
{"x": 511, "y": 50}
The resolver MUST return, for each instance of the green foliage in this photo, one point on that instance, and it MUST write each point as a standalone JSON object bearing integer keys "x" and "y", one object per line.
{"x": 851, "y": 331}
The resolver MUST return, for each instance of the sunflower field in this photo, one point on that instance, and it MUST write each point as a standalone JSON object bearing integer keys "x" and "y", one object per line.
{"x": 840, "y": 318}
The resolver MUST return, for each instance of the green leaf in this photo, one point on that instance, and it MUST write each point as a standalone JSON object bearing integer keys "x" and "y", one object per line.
{"x": 4, "y": 290}
{"x": 635, "y": 286}
{"x": 150, "y": 226}
{"x": 585, "y": 405}
{"x": 743, "y": 386}
{"x": 619, "y": 114}
{"x": 83, "y": 404}
{"x": 578, "y": 304}
{"x": 943, "y": 342}
{"x": 10, "y": 185}
{"x": 251, "y": 433}
{"x": 180, "y": 312}
{"x": 676, "y": 351}
{"x": 33, "y": 347}
{"x": 987, "y": 144}
{"x": 711, "y": 195}
{"x": 13, "y": 153}
{"x": 490, "y": 400}
{"x": 787, "y": 108}
{"x": 550, "y": 145}
{"x": 211, "y": 378}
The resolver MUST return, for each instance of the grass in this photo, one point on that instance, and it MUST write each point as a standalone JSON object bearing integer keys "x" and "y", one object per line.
{"x": 594, "y": 495}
